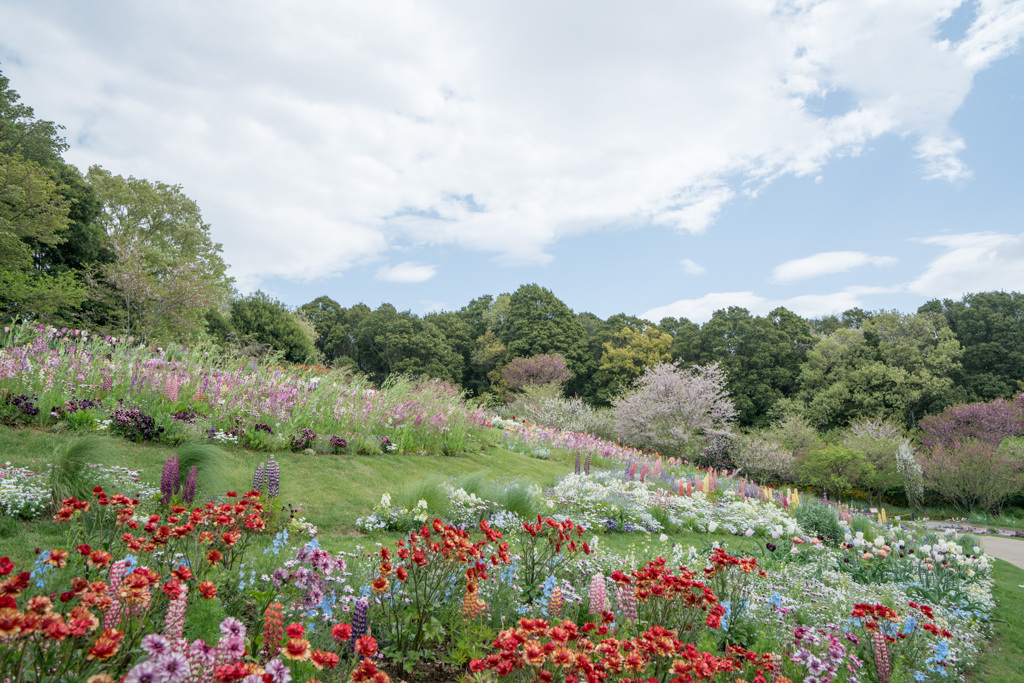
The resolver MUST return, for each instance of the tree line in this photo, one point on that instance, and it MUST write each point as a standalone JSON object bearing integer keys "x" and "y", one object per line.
{"x": 133, "y": 257}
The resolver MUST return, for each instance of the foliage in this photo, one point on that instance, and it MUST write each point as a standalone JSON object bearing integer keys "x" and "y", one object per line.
{"x": 261, "y": 322}
{"x": 990, "y": 422}
{"x": 537, "y": 322}
{"x": 392, "y": 343}
{"x": 973, "y": 473}
{"x": 818, "y": 518}
{"x": 988, "y": 327}
{"x": 879, "y": 442}
{"x": 168, "y": 270}
{"x": 633, "y": 352}
{"x": 899, "y": 366}
{"x": 669, "y": 406}
{"x": 542, "y": 369}
{"x": 833, "y": 468}
{"x": 761, "y": 356}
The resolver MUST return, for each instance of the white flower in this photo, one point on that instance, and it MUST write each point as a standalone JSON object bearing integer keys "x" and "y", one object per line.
{"x": 663, "y": 538}
{"x": 712, "y": 526}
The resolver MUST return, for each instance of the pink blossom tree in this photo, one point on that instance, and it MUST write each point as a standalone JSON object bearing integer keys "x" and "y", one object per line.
{"x": 669, "y": 406}
{"x": 545, "y": 368}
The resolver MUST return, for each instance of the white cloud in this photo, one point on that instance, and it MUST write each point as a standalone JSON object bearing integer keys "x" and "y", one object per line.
{"x": 318, "y": 138}
{"x": 691, "y": 267}
{"x": 407, "y": 272}
{"x": 826, "y": 263}
{"x": 700, "y": 310}
{"x": 972, "y": 262}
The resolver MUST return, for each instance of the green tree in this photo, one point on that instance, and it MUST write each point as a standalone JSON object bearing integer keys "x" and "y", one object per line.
{"x": 268, "y": 323}
{"x": 633, "y": 351}
{"x": 538, "y": 322}
{"x": 760, "y": 355}
{"x": 390, "y": 342}
{"x": 168, "y": 271}
{"x": 898, "y": 366}
{"x": 990, "y": 328}
{"x": 335, "y": 329}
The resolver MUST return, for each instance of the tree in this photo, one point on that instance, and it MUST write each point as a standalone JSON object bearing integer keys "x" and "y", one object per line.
{"x": 389, "y": 342}
{"x": 670, "y": 406}
{"x": 762, "y": 357}
{"x": 633, "y": 352}
{"x": 897, "y": 366}
{"x": 990, "y": 328}
{"x": 268, "y": 322}
{"x": 538, "y": 322}
{"x": 169, "y": 271}
{"x": 335, "y": 329}
{"x": 36, "y": 210}
{"x": 544, "y": 369}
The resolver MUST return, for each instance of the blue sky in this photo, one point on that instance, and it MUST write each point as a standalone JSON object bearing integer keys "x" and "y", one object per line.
{"x": 654, "y": 159}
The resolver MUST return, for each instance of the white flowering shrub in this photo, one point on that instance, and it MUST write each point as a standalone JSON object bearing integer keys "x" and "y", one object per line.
{"x": 763, "y": 460}
{"x": 23, "y": 493}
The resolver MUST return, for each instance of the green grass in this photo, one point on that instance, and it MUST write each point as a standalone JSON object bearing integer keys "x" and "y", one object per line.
{"x": 1003, "y": 659}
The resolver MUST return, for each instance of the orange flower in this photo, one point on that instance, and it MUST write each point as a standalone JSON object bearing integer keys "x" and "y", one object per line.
{"x": 58, "y": 558}
{"x": 99, "y": 558}
{"x": 208, "y": 589}
{"x": 214, "y": 556}
{"x": 379, "y": 585}
{"x": 320, "y": 659}
{"x": 10, "y": 621}
{"x": 107, "y": 645}
{"x": 296, "y": 649}
{"x": 100, "y": 678}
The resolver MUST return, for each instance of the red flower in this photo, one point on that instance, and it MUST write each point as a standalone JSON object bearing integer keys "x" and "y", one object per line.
{"x": 295, "y": 630}
{"x": 321, "y": 659}
{"x": 182, "y": 573}
{"x": 214, "y": 556}
{"x": 366, "y": 646}
{"x": 208, "y": 589}
{"x": 107, "y": 645}
{"x": 6, "y": 566}
{"x": 341, "y": 632}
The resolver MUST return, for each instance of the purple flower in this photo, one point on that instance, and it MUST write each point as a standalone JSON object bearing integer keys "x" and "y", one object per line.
{"x": 257, "y": 479}
{"x": 815, "y": 666}
{"x": 232, "y": 647}
{"x": 155, "y": 645}
{"x": 144, "y": 672}
{"x": 188, "y": 494}
{"x": 174, "y": 667}
{"x": 202, "y": 653}
{"x": 169, "y": 479}
{"x": 232, "y": 627}
{"x": 278, "y": 671}
{"x": 273, "y": 475}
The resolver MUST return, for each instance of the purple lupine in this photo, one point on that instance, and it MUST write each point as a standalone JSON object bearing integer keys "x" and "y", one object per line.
{"x": 359, "y": 619}
{"x": 188, "y": 494}
{"x": 258, "y": 479}
{"x": 273, "y": 475}
{"x": 169, "y": 479}
{"x": 108, "y": 381}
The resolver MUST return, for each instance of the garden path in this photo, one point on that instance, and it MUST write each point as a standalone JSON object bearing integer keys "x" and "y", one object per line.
{"x": 1009, "y": 549}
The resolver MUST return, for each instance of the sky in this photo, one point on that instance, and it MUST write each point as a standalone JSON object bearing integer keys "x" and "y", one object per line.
{"x": 650, "y": 158}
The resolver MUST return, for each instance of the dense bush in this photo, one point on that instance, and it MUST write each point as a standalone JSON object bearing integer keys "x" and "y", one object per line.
{"x": 835, "y": 469}
{"x": 542, "y": 369}
{"x": 989, "y": 422}
{"x": 975, "y": 473}
{"x": 820, "y": 519}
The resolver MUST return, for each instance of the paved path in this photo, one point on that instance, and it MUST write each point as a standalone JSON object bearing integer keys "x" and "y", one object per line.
{"x": 1008, "y": 549}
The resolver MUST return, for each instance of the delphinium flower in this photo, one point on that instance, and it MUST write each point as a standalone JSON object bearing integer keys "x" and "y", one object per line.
{"x": 169, "y": 479}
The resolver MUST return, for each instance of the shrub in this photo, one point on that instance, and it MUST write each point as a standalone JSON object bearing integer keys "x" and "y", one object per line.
{"x": 909, "y": 471}
{"x": 669, "y": 406}
{"x": 834, "y": 468}
{"x": 543, "y": 369}
{"x": 763, "y": 460}
{"x": 819, "y": 519}
{"x": 879, "y": 441}
{"x": 989, "y": 422}
{"x": 975, "y": 473}
{"x": 796, "y": 435}
{"x": 543, "y": 405}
